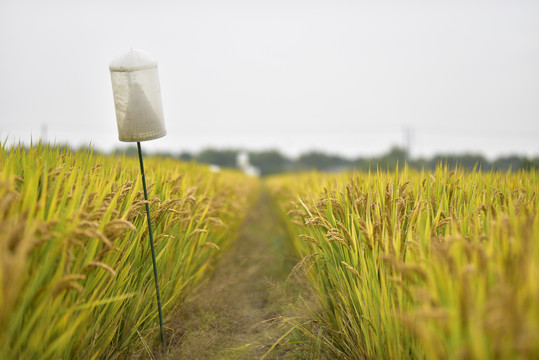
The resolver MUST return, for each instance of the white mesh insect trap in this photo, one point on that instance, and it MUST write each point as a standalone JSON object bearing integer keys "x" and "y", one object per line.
{"x": 139, "y": 114}
{"x": 137, "y": 96}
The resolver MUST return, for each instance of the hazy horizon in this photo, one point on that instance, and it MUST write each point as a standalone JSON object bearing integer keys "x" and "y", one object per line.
{"x": 351, "y": 78}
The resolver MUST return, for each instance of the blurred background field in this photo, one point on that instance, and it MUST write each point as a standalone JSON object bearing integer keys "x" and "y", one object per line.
{"x": 275, "y": 162}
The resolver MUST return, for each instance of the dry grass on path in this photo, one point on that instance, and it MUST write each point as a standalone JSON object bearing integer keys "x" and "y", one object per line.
{"x": 231, "y": 315}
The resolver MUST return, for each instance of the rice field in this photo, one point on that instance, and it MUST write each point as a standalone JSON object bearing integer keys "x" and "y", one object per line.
{"x": 411, "y": 264}
{"x": 403, "y": 264}
{"x": 75, "y": 268}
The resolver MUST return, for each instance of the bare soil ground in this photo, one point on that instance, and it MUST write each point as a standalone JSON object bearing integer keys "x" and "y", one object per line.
{"x": 231, "y": 316}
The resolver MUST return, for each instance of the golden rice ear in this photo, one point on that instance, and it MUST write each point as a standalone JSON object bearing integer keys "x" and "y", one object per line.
{"x": 197, "y": 231}
{"x": 310, "y": 239}
{"x": 103, "y": 266}
{"x": 68, "y": 282}
{"x": 118, "y": 227}
{"x": 210, "y": 245}
{"x": 351, "y": 269}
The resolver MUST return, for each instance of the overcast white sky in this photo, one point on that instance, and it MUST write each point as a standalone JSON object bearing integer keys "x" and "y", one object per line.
{"x": 345, "y": 77}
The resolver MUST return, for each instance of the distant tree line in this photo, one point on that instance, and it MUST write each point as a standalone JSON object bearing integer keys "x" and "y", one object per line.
{"x": 274, "y": 162}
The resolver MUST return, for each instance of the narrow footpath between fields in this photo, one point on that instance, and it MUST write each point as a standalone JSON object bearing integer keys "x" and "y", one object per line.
{"x": 229, "y": 317}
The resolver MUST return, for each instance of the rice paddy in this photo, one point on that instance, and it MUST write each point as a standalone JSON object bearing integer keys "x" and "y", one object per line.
{"x": 418, "y": 264}
{"x": 402, "y": 264}
{"x": 75, "y": 270}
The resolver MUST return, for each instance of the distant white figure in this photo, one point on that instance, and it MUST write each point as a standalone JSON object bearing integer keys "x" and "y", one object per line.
{"x": 242, "y": 160}
{"x": 215, "y": 168}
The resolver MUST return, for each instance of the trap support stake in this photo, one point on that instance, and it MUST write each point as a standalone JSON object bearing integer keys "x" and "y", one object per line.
{"x": 150, "y": 232}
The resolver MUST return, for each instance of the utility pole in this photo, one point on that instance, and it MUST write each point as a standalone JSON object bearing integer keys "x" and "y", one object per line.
{"x": 44, "y": 133}
{"x": 408, "y": 139}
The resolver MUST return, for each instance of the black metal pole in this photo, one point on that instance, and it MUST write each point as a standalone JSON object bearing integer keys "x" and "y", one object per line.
{"x": 152, "y": 247}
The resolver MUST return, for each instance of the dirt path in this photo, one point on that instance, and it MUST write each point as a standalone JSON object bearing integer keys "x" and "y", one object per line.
{"x": 227, "y": 317}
